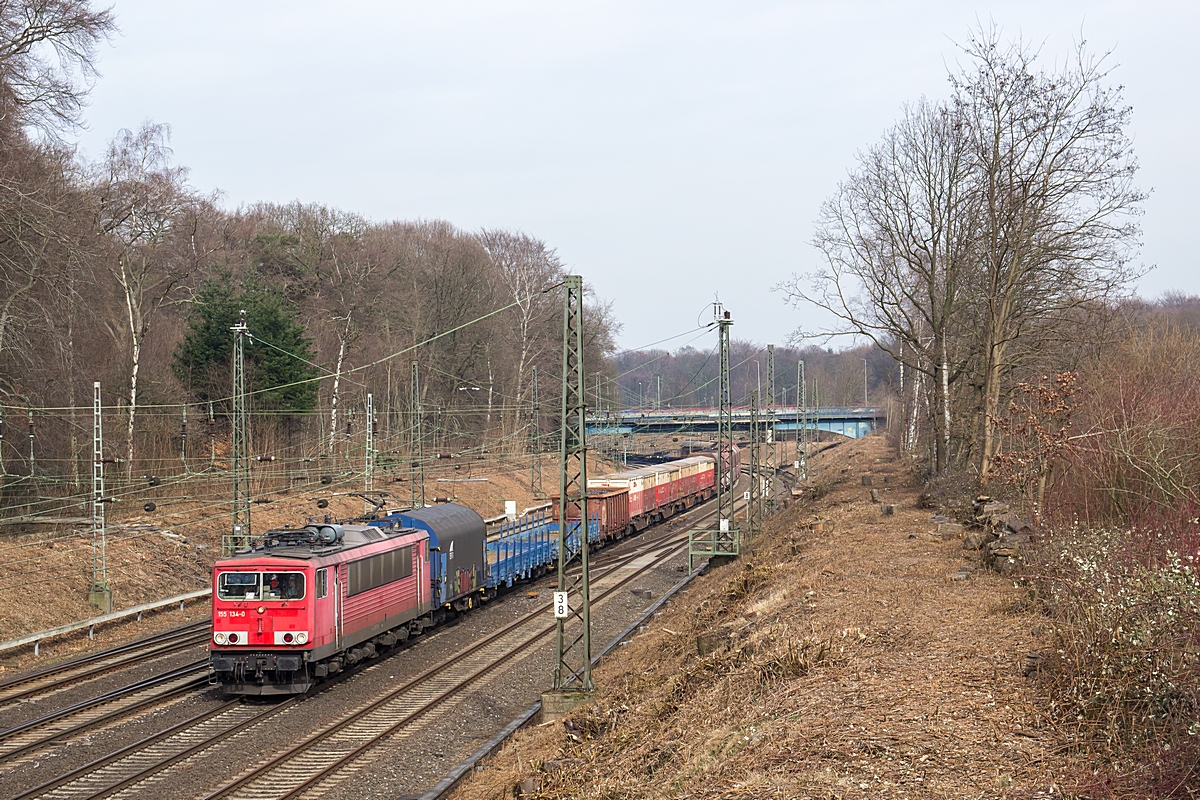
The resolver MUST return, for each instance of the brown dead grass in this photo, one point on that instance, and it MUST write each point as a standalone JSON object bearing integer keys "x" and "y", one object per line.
{"x": 854, "y": 666}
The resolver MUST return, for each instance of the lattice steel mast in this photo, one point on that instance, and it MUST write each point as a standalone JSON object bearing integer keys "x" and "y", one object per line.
{"x": 801, "y": 421}
{"x": 573, "y": 671}
{"x": 812, "y": 468}
{"x": 754, "y": 507}
{"x": 239, "y": 534}
{"x": 726, "y": 479}
{"x": 99, "y": 595}
{"x": 369, "y": 466}
{"x": 769, "y": 465}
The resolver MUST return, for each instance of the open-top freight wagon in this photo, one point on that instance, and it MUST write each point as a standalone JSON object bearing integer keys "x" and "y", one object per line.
{"x": 631, "y": 500}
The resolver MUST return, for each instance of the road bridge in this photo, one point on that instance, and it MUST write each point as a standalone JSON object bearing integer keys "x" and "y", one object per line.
{"x": 851, "y": 421}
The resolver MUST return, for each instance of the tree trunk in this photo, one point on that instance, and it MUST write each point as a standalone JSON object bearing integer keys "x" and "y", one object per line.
{"x": 337, "y": 379}
{"x": 135, "y": 352}
{"x": 991, "y": 402}
{"x": 945, "y": 405}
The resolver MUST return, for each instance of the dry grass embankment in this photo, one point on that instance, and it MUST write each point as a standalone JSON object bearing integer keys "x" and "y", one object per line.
{"x": 853, "y": 664}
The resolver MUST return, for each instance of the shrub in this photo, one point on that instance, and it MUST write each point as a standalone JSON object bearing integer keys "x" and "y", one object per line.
{"x": 1125, "y": 677}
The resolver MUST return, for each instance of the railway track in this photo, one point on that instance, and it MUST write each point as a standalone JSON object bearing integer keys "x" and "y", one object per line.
{"x": 323, "y": 754}
{"x": 21, "y": 740}
{"x": 327, "y": 753}
{"x": 135, "y": 770}
{"x": 53, "y": 679}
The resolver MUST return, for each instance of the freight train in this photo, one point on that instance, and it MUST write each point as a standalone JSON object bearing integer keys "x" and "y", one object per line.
{"x": 305, "y": 603}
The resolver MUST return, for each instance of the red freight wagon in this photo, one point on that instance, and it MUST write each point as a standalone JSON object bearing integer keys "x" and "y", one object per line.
{"x": 696, "y": 475}
{"x": 639, "y": 484}
{"x": 610, "y": 505}
{"x": 659, "y": 491}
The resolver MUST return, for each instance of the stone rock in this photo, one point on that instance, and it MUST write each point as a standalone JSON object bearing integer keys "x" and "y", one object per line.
{"x": 1009, "y": 545}
{"x": 1032, "y": 664}
{"x": 1015, "y": 524}
{"x": 645, "y": 594}
{"x": 974, "y": 540}
{"x": 950, "y": 531}
{"x": 558, "y": 765}
{"x": 888, "y": 509}
{"x": 874, "y": 495}
{"x": 989, "y": 513}
{"x": 866, "y": 480}
{"x": 940, "y": 518}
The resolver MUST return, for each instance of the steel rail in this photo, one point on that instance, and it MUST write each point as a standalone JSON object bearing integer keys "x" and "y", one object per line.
{"x": 160, "y": 741}
{"x": 104, "y": 761}
{"x": 107, "y": 697}
{"x": 152, "y": 639}
{"x": 99, "y": 664}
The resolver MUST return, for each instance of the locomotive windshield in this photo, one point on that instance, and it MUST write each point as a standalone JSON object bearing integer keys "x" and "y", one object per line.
{"x": 260, "y": 586}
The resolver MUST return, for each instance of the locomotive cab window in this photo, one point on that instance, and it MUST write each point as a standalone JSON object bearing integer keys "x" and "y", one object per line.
{"x": 283, "y": 585}
{"x": 237, "y": 586}
{"x": 260, "y": 586}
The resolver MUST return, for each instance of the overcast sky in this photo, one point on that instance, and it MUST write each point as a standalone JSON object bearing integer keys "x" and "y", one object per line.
{"x": 670, "y": 151}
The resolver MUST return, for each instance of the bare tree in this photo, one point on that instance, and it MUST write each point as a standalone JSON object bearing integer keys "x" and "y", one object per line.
{"x": 897, "y": 238}
{"x": 47, "y": 49}
{"x": 140, "y": 197}
{"x": 525, "y": 268}
{"x": 977, "y": 230}
{"x": 1058, "y": 206}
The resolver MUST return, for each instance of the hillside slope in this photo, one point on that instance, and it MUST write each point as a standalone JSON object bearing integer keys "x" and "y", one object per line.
{"x": 853, "y": 661}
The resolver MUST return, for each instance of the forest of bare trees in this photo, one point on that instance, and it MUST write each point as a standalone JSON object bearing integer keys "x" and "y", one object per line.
{"x": 687, "y": 377}
{"x": 120, "y": 271}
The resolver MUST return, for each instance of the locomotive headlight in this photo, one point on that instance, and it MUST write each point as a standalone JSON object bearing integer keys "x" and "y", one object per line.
{"x": 291, "y": 637}
{"x": 221, "y": 638}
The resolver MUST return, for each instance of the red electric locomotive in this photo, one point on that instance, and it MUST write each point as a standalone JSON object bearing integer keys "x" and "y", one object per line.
{"x": 309, "y": 601}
